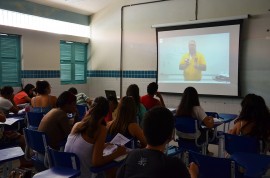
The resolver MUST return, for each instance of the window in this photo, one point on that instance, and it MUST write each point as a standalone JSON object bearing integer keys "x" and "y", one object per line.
{"x": 10, "y": 60}
{"x": 72, "y": 62}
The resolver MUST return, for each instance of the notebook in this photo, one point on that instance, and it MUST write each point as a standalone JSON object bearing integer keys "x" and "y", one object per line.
{"x": 110, "y": 93}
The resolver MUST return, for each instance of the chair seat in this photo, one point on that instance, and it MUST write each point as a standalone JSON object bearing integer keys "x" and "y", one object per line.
{"x": 58, "y": 172}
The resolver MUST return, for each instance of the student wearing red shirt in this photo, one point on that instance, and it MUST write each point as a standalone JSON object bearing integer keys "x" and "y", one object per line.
{"x": 25, "y": 95}
{"x": 148, "y": 100}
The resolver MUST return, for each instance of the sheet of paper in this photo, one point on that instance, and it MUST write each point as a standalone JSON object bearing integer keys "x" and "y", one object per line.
{"x": 119, "y": 139}
{"x": 109, "y": 149}
{"x": 12, "y": 120}
{"x": 217, "y": 120}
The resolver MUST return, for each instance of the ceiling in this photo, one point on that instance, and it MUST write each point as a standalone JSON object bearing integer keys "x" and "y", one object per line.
{"x": 85, "y": 7}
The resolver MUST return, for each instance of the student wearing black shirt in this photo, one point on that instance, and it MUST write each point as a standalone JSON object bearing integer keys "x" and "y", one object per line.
{"x": 151, "y": 162}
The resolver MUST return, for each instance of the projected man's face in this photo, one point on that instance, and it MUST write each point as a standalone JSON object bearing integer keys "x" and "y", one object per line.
{"x": 192, "y": 47}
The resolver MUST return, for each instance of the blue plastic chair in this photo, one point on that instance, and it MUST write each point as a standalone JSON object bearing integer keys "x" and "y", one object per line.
{"x": 255, "y": 165}
{"x": 212, "y": 167}
{"x": 34, "y": 119}
{"x": 37, "y": 141}
{"x": 189, "y": 125}
{"x": 235, "y": 143}
{"x": 82, "y": 109}
{"x": 62, "y": 164}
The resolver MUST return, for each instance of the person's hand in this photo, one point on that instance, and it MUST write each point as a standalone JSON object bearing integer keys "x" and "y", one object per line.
{"x": 158, "y": 95}
{"x": 193, "y": 170}
{"x": 121, "y": 150}
{"x": 187, "y": 61}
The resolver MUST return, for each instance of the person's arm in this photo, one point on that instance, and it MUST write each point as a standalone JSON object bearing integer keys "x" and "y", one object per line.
{"x": 136, "y": 131}
{"x": 160, "y": 99}
{"x": 97, "y": 155}
{"x": 201, "y": 67}
{"x": 27, "y": 98}
{"x": 64, "y": 124}
{"x": 208, "y": 121}
{"x": 2, "y": 117}
{"x": 200, "y": 63}
{"x": 14, "y": 107}
{"x": 193, "y": 170}
{"x": 89, "y": 101}
{"x": 184, "y": 63}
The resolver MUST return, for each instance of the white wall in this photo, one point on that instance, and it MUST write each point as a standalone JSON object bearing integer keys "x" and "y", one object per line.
{"x": 139, "y": 47}
{"x": 40, "y": 51}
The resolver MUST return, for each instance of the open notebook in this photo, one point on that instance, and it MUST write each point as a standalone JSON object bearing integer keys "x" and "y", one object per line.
{"x": 119, "y": 139}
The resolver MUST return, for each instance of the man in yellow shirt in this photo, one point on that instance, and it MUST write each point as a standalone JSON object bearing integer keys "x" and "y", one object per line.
{"x": 193, "y": 63}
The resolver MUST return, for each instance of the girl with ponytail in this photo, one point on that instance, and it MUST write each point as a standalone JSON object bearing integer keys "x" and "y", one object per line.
{"x": 87, "y": 138}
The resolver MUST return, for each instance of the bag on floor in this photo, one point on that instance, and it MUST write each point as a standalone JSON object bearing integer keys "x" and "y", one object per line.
{"x": 20, "y": 173}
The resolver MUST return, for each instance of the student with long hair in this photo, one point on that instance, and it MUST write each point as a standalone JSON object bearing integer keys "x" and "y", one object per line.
{"x": 190, "y": 106}
{"x": 133, "y": 90}
{"x": 125, "y": 121}
{"x": 254, "y": 119}
{"x": 25, "y": 95}
{"x": 87, "y": 138}
{"x": 43, "y": 102}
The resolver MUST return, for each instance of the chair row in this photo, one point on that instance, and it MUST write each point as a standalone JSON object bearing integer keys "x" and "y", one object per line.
{"x": 44, "y": 160}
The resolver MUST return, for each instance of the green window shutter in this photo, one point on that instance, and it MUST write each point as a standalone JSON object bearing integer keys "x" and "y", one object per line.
{"x": 10, "y": 60}
{"x": 66, "y": 72}
{"x": 73, "y": 62}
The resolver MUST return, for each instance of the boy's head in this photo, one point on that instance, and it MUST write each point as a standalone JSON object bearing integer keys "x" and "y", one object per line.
{"x": 73, "y": 90}
{"x": 152, "y": 88}
{"x": 158, "y": 126}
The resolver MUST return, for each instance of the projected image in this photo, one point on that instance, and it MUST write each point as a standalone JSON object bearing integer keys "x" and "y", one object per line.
{"x": 205, "y": 58}
{"x": 195, "y": 58}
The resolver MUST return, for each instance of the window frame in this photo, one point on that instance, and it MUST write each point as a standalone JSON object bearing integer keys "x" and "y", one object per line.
{"x": 75, "y": 55}
{"x": 14, "y": 79}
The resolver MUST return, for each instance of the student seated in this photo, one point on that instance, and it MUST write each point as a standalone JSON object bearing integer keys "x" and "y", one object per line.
{"x": 133, "y": 90}
{"x": 87, "y": 138}
{"x": 6, "y": 101}
{"x": 56, "y": 123}
{"x": 190, "y": 106}
{"x": 125, "y": 122}
{"x": 25, "y": 95}
{"x": 113, "y": 103}
{"x": 43, "y": 102}
{"x": 253, "y": 120}
{"x": 82, "y": 99}
{"x": 10, "y": 137}
{"x": 151, "y": 162}
{"x": 148, "y": 100}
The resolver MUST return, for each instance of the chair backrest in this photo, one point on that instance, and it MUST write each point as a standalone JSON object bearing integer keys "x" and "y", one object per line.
{"x": 34, "y": 119}
{"x": 235, "y": 143}
{"x": 63, "y": 159}
{"x": 82, "y": 109}
{"x": 36, "y": 140}
{"x": 213, "y": 167}
{"x": 189, "y": 125}
{"x": 255, "y": 165}
{"x": 186, "y": 124}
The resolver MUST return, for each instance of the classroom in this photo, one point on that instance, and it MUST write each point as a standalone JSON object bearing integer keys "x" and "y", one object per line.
{"x": 120, "y": 46}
